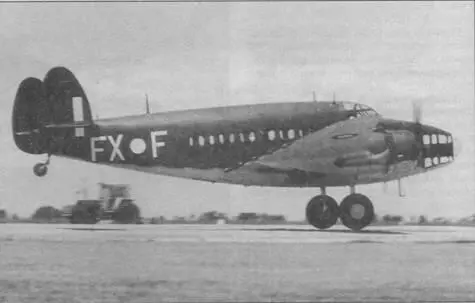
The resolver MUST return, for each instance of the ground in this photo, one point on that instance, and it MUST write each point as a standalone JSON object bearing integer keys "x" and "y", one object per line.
{"x": 154, "y": 263}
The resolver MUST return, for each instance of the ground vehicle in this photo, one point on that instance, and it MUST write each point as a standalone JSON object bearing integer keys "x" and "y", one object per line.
{"x": 114, "y": 204}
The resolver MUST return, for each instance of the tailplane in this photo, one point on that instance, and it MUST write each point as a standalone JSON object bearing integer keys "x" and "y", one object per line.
{"x": 50, "y": 115}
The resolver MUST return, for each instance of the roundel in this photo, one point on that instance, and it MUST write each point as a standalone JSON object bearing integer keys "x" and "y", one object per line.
{"x": 138, "y": 146}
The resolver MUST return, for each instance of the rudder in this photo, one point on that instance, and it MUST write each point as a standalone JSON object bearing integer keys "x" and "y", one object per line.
{"x": 27, "y": 117}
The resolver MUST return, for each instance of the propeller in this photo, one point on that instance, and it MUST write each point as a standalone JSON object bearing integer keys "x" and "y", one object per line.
{"x": 417, "y": 117}
{"x": 417, "y": 111}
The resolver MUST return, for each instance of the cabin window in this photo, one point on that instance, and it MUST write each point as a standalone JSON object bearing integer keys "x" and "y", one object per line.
{"x": 201, "y": 140}
{"x": 191, "y": 141}
{"x": 241, "y": 137}
{"x": 300, "y": 133}
{"x": 231, "y": 138}
{"x": 428, "y": 162}
{"x": 252, "y": 136}
{"x": 271, "y": 135}
{"x": 211, "y": 140}
{"x": 449, "y": 139}
{"x": 221, "y": 138}
{"x": 442, "y": 139}
{"x": 426, "y": 139}
{"x": 291, "y": 134}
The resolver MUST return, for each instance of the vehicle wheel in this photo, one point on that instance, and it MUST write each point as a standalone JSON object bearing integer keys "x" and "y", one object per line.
{"x": 356, "y": 211}
{"x": 128, "y": 213}
{"x": 85, "y": 214}
{"x": 322, "y": 212}
{"x": 40, "y": 169}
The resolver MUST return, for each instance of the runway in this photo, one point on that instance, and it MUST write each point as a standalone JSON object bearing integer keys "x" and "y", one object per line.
{"x": 224, "y": 263}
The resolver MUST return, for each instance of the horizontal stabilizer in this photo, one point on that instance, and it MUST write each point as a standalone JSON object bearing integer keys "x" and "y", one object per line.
{"x": 68, "y": 125}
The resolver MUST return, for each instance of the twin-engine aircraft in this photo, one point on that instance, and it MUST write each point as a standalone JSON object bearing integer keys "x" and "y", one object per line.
{"x": 302, "y": 144}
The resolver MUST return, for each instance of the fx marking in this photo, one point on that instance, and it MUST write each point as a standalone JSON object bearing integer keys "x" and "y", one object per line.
{"x": 116, "y": 147}
{"x": 95, "y": 149}
{"x": 137, "y": 145}
{"x": 156, "y": 144}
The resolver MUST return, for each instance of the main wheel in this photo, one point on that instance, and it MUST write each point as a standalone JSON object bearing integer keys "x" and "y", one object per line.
{"x": 40, "y": 169}
{"x": 322, "y": 211}
{"x": 356, "y": 211}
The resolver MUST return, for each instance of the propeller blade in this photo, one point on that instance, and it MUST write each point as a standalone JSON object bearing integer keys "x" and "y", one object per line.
{"x": 417, "y": 111}
{"x": 457, "y": 146}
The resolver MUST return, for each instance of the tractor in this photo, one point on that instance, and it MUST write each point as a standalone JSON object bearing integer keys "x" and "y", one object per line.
{"x": 114, "y": 204}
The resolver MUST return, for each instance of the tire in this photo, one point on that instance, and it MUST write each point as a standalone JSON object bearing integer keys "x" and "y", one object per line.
{"x": 128, "y": 213}
{"x": 40, "y": 169}
{"x": 322, "y": 212}
{"x": 356, "y": 211}
{"x": 85, "y": 214}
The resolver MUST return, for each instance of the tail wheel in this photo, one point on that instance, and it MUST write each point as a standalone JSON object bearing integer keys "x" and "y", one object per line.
{"x": 40, "y": 169}
{"x": 322, "y": 211}
{"x": 356, "y": 211}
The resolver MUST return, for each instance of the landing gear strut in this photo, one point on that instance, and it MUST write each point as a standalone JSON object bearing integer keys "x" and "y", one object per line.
{"x": 41, "y": 169}
{"x": 355, "y": 211}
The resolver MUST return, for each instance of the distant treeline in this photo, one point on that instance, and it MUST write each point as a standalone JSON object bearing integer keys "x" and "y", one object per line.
{"x": 49, "y": 214}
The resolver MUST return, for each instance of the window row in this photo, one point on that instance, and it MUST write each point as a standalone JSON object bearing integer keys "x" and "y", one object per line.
{"x": 270, "y": 135}
{"x": 436, "y": 139}
{"x": 436, "y": 160}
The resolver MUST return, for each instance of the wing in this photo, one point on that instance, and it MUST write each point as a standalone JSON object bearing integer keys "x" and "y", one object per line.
{"x": 342, "y": 148}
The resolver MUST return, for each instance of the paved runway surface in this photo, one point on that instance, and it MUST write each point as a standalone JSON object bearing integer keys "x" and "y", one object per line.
{"x": 189, "y": 263}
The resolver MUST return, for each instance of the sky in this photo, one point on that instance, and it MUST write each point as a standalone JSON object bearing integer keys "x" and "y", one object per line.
{"x": 193, "y": 55}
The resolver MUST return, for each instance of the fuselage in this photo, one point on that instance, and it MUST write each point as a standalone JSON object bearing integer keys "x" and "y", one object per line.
{"x": 263, "y": 145}
{"x": 298, "y": 144}
{"x": 223, "y": 137}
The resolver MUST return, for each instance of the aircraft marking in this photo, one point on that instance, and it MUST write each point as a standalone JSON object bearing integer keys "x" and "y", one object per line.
{"x": 95, "y": 149}
{"x": 138, "y": 146}
{"x": 116, "y": 147}
{"x": 156, "y": 144}
{"x": 78, "y": 115}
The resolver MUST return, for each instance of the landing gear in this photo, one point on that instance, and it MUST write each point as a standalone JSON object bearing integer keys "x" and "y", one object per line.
{"x": 356, "y": 211}
{"x": 41, "y": 169}
{"x": 322, "y": 212}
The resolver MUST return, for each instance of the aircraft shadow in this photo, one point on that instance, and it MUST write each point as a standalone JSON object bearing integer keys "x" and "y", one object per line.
{"x": 343, "y": 231}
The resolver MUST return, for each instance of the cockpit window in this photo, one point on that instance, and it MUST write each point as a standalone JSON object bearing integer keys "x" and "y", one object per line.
{"x": 364, "y": 110}
{"x": 360, "y": 109}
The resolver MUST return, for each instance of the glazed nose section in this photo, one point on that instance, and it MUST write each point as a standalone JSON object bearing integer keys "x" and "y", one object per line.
{"x": 439, "y": 148}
